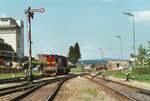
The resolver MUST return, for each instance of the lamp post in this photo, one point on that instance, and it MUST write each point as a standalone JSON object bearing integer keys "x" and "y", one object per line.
{"x": 133, "y": 29}
{"x": 121, "y": 53}
{"x": 30, "y": 14}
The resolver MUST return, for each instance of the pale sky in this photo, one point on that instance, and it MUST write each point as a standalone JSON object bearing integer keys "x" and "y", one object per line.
{"x": 92, "y": 23}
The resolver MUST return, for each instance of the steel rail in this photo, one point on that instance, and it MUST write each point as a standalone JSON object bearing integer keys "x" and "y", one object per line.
{"x": 56, "y": 90}
{"x": 19, "y": 97}
{"x": 113, "y": 89}
{"x": 144, "y": 91}
{"x": 26, "y": 86}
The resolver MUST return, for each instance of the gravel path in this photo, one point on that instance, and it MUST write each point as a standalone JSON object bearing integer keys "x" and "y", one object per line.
{"x": 81, "y": 89}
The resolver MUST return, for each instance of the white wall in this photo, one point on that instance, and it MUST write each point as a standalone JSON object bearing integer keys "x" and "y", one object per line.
{"x": 9, "y": 39}
{"x": 5, "y": 22}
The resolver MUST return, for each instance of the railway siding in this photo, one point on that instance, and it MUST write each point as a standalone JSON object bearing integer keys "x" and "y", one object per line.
{"x": 131, "y": 92}
{"x": 81, "y": 89}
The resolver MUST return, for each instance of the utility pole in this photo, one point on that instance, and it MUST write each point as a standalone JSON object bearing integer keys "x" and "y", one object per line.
{"x": 30, "y": 14}
{"x": 133, "y": 29}
{"x": 121, "y": 53}
{"x": 102, "y": 53}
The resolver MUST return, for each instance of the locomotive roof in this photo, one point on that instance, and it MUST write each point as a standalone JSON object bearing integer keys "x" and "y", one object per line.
{"x": 54, "y": 55}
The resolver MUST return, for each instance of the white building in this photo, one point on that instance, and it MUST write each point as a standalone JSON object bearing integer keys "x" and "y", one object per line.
{"x": 12, "y": 32}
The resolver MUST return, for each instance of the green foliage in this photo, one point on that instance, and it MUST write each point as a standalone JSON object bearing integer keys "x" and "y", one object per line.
{"x": 77, "y": 51}
{"x": 77, "y": 69}
{"x": 148, "y": 54}
{"x": 143, "y": 70}
{"x": 141, "y": 57}
{"x": 71, "y": 55}
{"x": 34, "y": 63}
{"x": 10, "y": 75}
{"x": 74, "y": 53}
{"x": 36, "y": 73}
{"x": 118, "y": 74}
{"x": 138, "y": 77}
{"x": 142, "y": 77}
{"x": 21, "y": 74}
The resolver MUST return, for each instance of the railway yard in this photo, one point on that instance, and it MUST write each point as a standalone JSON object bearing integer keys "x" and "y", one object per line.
{"x": 73, "y": 87}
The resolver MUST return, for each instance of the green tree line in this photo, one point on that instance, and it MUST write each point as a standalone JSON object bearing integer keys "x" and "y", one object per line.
{"x": 74, "y": 53}
{"x": 143, "y": 56}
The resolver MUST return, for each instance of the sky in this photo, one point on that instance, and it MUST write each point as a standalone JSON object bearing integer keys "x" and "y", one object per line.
{"x": 94, "y": 24}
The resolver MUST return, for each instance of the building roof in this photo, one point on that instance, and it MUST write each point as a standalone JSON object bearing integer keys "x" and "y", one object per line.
{"x": 7, "y": 18}
{"x": 5, "y": 47}
{"x": 16, "y": 24}
{"x": 1, "y": 39}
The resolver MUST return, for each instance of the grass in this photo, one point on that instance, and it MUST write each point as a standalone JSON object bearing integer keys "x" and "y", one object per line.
{"x": 137, "y": 77}
{"x": 10, "y": 75}
{"x": 37, "y": 73}
{"x": 76, "y": 69}
{"x": 142, "y": 77}
{"x": 90, "y": 91}
{"x": 117, "y": 74}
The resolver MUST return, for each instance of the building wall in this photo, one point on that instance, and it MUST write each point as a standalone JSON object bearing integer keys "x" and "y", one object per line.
{"x": 20, "y": 40}
{"x": 114, "y": 64}
{"x": 12, "y": 33}
{"x": 10, "y": 39}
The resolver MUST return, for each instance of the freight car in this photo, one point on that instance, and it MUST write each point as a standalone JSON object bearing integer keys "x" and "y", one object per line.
{"x": 55, "y": 64}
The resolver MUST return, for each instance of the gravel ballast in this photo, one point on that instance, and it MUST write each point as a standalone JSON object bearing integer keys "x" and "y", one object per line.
{"x": 81, "y": 89}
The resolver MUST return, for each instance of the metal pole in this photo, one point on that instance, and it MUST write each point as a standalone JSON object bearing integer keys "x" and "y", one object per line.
{"x": 134, "y": 40}
{"x": 119, "y": 37}
{"x": 121, "y": 49}
{"x": 30, "y": 48}
{"x": 134, "y": 48}
{"x": 30, "y": 13}
{"x": 102, "y": 53}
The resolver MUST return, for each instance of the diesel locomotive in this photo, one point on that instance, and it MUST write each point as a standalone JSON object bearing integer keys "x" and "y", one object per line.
{"x": 54, "y": 64}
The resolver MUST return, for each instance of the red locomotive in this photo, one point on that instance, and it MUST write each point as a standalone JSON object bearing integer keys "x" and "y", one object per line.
{"x": 55, "y": 64}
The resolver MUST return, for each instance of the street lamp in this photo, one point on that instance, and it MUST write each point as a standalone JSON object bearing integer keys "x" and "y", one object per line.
{"x": 133, "y": 28}
{"x": 119, "y": 37}
{"x": 30, "y": 14}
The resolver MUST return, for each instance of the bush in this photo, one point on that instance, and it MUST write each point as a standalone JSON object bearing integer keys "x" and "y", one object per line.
{"x": 144, "y": 70}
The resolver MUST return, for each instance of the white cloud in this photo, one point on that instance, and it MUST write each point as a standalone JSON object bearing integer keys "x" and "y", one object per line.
{"x": 142, "y": 16}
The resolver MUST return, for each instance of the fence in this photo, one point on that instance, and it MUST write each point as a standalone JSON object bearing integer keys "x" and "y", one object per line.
{"x": 10, "y": 70}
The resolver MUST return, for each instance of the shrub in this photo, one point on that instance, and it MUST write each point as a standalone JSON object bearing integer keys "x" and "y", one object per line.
{"x": 144, "y": 70}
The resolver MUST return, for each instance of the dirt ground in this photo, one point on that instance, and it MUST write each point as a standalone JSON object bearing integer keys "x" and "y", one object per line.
{"x": 81, "y": 89}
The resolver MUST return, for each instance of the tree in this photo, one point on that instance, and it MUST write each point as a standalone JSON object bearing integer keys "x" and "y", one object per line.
{"x": 141, "y": 55}
{"x": 148, "y": 54}
{"x": 77, "y": 51}
{"x": 74, "y": 53}
{"x": 71, "y": 55}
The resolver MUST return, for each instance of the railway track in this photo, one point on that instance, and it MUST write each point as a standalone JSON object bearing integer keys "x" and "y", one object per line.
{"x": 24, "y": 91}
{"x": 18, "y": 79}
{"x": 130, "y": 93}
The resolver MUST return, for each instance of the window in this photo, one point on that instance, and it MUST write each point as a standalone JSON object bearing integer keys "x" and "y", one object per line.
{"x": 4, "y": 20}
